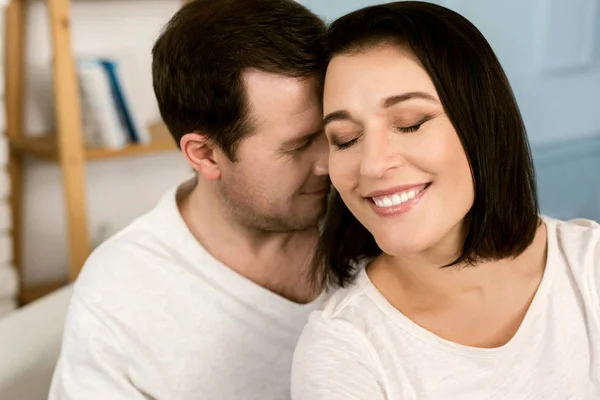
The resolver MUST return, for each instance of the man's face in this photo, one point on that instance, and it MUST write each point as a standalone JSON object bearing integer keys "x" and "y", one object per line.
{"x": 279, "y": 181}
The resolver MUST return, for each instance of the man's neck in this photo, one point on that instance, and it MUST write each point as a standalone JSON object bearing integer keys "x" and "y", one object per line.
{"x": 277, "y": 261}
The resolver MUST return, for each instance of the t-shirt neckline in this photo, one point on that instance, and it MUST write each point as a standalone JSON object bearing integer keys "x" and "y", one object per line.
{"x": 430, "y": 338}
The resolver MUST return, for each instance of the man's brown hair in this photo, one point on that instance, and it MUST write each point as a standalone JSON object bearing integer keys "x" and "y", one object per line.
{"x": 199, "y": 60}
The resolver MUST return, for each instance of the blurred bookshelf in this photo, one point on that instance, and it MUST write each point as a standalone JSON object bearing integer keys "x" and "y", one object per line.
{"x": 46, "y": 146}
{"x": 84, "y": 90}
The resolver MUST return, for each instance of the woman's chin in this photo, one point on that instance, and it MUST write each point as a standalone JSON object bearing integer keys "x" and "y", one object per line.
{"x": 396, "y": 247}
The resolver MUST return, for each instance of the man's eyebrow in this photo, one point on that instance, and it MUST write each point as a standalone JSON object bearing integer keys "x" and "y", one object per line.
{"x": 299, "y": 141}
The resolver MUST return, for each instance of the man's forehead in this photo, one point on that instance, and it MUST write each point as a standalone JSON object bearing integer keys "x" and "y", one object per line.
{"x": 266, "y": 92}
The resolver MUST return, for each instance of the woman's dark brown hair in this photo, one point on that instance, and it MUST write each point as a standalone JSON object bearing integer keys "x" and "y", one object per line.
{"x": 479, "y": 101}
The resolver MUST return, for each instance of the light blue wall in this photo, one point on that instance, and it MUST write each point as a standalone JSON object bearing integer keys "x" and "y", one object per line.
{"x": 550, "y": 50}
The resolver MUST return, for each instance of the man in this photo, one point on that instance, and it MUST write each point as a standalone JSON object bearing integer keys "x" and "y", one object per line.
{"x": 205, "y": 296}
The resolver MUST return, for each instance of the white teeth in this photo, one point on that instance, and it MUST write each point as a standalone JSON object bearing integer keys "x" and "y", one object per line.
{"x": 396, "y": 198}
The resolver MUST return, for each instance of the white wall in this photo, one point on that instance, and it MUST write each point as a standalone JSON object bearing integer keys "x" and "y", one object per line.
{"x": 117, "y": 190}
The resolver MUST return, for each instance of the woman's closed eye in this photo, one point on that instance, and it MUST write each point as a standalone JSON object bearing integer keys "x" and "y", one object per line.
{"x": 345, "y": 145}
{"x": 344, "y": 141}
{"x": 410, "y": 128}
{"x": 341, "y": 142}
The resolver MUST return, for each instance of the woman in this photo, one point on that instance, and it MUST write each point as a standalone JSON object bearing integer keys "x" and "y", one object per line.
{"x": 451, "y": 286}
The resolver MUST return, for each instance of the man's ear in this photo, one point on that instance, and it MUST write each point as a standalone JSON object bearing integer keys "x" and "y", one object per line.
{"x": 202, "y": 155}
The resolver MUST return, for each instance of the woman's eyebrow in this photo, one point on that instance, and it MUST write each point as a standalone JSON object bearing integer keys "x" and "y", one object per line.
{"x": 393, "y": 100}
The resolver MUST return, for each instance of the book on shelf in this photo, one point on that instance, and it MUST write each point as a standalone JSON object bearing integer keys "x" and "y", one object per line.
{"x": 109, "y": 117}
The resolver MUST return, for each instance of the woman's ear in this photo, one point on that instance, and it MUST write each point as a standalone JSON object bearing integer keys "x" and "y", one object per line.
{"x": 201, "y": 154}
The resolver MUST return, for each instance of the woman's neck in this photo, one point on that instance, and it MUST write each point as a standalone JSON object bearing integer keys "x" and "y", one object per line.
{"x": 421, "y": 276}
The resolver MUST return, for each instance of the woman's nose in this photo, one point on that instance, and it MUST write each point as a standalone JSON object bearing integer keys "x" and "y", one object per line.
{"x": 377, "y": 157}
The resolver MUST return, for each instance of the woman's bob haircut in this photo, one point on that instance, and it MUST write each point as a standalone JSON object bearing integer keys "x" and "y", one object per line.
{"x": 481, "y": 106}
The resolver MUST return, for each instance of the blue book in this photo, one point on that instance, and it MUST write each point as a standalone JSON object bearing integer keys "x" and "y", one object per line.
{"x": 137, "y": 131}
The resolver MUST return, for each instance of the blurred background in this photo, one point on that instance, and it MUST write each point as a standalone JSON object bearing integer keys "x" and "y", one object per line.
{"x": 550, "y": 50}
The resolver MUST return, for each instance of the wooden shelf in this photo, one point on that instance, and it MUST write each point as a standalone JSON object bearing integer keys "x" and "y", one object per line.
{"x": 66, "y": 146}
{"x": 34, "y": 292}
{"x": 46, "y": 146}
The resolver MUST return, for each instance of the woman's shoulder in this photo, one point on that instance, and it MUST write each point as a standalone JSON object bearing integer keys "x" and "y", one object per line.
{"x": 334, "y": 357}
{"x": 343, "y": 300}
{"x": 574, "y": 223}
{"x": 575, "y": 235}
{"x": 350, "y": 305}
{"x": 575, "y": 244}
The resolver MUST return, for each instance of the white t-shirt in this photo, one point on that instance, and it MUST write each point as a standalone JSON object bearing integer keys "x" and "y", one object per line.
{"x": 362, "y": 348}
{"x": 153, "y": 315}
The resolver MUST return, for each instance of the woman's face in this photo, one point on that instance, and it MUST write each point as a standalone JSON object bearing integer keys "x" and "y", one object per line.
{"x": 395, "y": 157}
